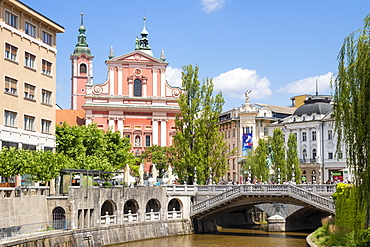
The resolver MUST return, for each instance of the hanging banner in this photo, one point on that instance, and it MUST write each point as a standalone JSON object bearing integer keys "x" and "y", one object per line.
{"x": 247, "y": 143}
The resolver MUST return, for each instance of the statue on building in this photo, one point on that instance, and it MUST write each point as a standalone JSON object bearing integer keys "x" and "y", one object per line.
{"x": 247, "y": 97}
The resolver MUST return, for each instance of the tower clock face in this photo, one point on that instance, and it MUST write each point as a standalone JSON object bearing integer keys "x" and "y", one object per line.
{"x": 137, "y": 72}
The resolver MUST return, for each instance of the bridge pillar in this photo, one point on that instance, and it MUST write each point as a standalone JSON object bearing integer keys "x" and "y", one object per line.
{"x": 276, "y": 223}
{"x": 204, "y": 226}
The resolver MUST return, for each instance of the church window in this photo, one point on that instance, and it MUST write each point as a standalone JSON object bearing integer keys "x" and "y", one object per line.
{"x": 137, "y": 88}
{"x": 147, "y": 140}
{"x": 83, "y": 68}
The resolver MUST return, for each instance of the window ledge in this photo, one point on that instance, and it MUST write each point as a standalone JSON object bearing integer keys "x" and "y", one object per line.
{"x": 30, "y": 68}
{"x": 50, "y": 76}
{"x": 32, "y": 100}
{"x": 10, "y": 60}
{"x": 46, "y": 104}
{"x": 12, "y": 94}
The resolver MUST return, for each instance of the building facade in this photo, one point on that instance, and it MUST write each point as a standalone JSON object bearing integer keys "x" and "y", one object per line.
{"x": 28, "y": 77}
{"x": 313, "y": 126}
{"x": 242, "y": 127}
{"x": 136, "y": 98}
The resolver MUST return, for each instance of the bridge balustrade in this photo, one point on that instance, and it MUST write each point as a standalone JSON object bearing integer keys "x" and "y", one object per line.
{"x": 108, "y": 219}
{"x": 173, "y": 215}
{"x": 11, "y": 192}
{"x": 304, "y": 194}
{"x": 152, "y": 216}
{"x": 130, "y": 217}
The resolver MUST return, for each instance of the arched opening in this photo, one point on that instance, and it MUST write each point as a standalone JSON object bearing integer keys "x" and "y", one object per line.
{"x": 313, "y": 177}
{"x": 108, "y": 207}
{"x": 131, "y": 206}
{"x": 59, "y": 218}
{"x": 174, "y": 205}
{"x": 83, "y": 68}
{"x": 137, "y": 88}
{"x": 303, "y": 178}
{"x": 153, "y": 205}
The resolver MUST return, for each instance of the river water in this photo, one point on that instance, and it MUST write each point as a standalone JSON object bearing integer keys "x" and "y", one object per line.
{"x": 227, "y": 237}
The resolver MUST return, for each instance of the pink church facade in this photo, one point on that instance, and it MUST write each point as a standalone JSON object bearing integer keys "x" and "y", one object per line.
{"x": 135, "y": 99}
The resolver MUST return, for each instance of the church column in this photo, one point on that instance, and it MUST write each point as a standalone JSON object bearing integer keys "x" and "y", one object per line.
{"x": 155, "y": 82}
{"x": 163, "y": 83}
{"x": 144, "y": 81}
{"x": 119, "y": 86}
{"x": 111, "y": 81}
{"x": 120, "y": 125}
{"x": 163, "y": 132}
{"x": 155, "y": 131}
{"x": 111, "y": 123}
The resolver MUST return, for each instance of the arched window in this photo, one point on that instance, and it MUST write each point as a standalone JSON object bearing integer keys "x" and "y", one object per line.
{"x": 153, "y": 205}
{"x": 83, "y": 68}
{"x": 314, "y": 153}
{"x": 137, "y": 88}
{"x": 304, "y": 155}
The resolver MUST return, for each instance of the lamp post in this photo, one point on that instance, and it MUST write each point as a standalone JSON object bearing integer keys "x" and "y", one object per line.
{"x": 293, "y": 174}
{"x": 195, "y": 175}
{"x": 249, "y": 174}
{"x": 278, "y": 175}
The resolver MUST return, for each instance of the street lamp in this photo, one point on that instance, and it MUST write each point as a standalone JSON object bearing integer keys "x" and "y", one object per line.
{"x": 195, "y": 175}
{"x": 293, "y": 174}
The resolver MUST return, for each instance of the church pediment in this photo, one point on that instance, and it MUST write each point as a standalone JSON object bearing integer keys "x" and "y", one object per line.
{"x": 136, "y": 56}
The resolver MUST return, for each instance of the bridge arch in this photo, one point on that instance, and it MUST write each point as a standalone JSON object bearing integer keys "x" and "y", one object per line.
{"x": 59, "y": 218}
{"x": 131, "y": 206}
{"x": 108, "y": 208}
{"x": 153, "y": 205}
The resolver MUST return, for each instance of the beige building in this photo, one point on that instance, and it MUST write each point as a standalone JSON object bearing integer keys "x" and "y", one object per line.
{"x": 28, "y": 82}
{"x": 249, "y": 121}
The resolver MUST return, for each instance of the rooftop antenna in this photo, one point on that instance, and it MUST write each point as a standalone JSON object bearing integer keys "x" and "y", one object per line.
{"x": 317, "y": 87}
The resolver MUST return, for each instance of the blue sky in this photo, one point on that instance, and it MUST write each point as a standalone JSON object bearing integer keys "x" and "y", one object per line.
{"x": 276, "y": 48}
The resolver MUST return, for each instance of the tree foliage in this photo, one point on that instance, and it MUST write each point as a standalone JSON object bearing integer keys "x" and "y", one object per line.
{"x": 91, "y": 148}
{"x": 256, "y": 161}
{"x": 352, "y": 109}
{"x": 198, "y": 142}
{"x": 158, "y": 155}
{"x": 292, "y": 160}
{"x": 279, "y": 160}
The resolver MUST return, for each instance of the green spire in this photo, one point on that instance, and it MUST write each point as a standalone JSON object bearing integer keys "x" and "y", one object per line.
{"x": 82, "y": 46}
{"x": 143, "y": 43}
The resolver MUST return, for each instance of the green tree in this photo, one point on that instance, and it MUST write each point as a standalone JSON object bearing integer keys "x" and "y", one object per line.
{"x": 257, "y": 161}
{"x": 198, "y": 142}
{"x": 279, "y": 161}
{"x": 292, "y": 159}
{"x": 89, "y": 147}
{"x": 352, "y": 111}
{"x": 157, "y": 155}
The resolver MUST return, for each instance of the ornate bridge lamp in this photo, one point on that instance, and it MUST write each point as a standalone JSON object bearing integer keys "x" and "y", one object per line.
{"x": 278, "y": 175}
{"x": 293, "y": 174}
{"x": 249, "y": 175}
{"x": 210, "y": 176}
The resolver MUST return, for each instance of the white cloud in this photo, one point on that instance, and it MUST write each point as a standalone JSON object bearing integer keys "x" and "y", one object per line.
{"x": 235, "y": 82}
{"x": 308, "y": 85}
{"x": 173, "y": 76}
{"x": 212, "y": 5}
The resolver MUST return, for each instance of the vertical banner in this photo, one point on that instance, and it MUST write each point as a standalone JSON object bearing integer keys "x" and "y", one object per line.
{"x": 247, "y": 143}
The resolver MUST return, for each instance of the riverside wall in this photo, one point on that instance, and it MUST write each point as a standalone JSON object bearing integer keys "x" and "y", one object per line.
{"x": 106, "y": 235}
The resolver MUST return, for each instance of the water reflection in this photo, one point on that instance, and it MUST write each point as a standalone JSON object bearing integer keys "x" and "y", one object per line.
{"x": 228, "y": 237}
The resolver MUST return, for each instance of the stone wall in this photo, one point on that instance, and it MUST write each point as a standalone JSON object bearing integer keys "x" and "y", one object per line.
{"x": 107, "y": 235}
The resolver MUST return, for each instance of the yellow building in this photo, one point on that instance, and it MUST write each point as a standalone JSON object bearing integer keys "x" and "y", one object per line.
{"x": 27, "y": 77}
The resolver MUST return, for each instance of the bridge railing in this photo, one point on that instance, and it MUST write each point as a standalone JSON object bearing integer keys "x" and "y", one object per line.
{"x": 11, "y": 192}
{"x": 303, "y": 194}
{"x": 130, "y": 217}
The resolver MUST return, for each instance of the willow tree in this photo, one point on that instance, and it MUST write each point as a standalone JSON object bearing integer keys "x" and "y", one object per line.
{"x": 198, "y": 144}
{"x": 352, "y": 109}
